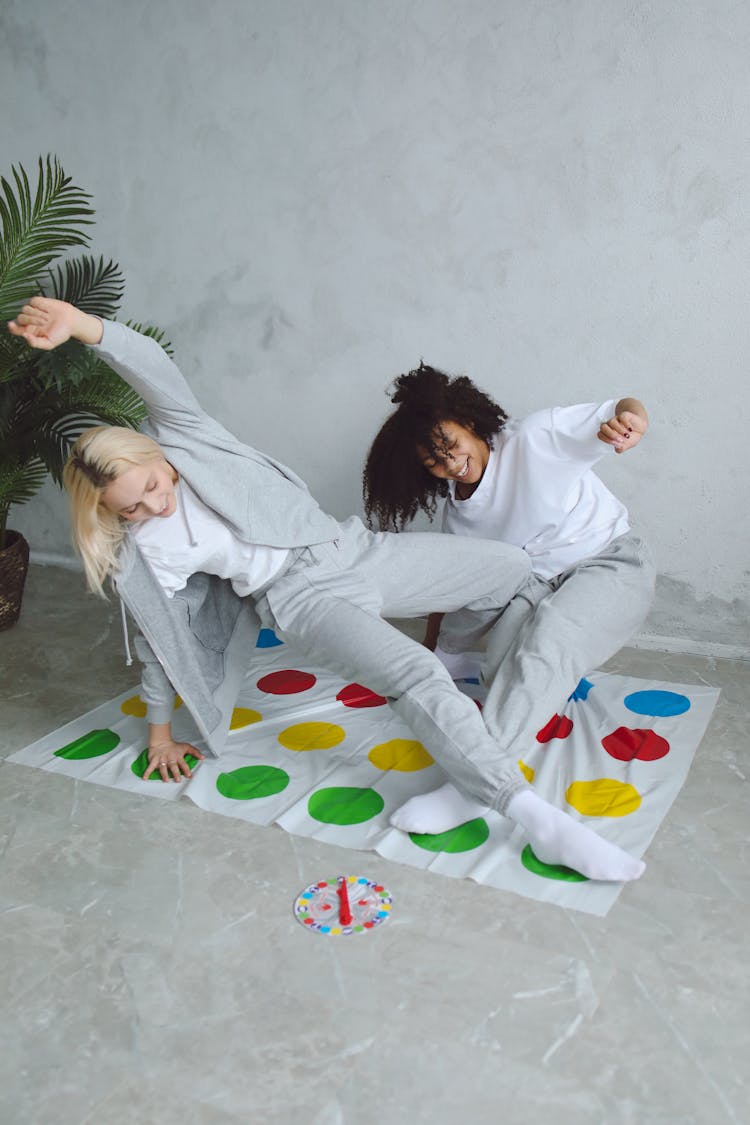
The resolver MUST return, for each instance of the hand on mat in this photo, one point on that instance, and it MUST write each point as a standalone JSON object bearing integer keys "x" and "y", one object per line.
{"x": 46, "y": 323}
{"x": 623, "y": 431}
{"x": 168, "y": 757}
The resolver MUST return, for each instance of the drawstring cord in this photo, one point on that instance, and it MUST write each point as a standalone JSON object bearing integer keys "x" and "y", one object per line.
{"x": 128, "y": 656}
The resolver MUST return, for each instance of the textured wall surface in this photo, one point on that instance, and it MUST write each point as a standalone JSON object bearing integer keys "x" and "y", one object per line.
{"x": 552, "y": 197}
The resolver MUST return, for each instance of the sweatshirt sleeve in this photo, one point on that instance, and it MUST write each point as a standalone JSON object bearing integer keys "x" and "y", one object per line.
{"x": 151, "y": 373}
{"x": 156, "y": 690}
{"x": 573, "y": 431}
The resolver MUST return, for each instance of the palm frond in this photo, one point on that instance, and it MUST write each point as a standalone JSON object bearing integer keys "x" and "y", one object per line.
{"x": 53, "y": 446}
{"x": 109, "y": 398}
{"x": 37, "y": 229}
{"x": 17, "y": 420}
{"x": 20, "y": 481}
{"x": 153, "y": 333}
{"x": 67, "y": 365}
{"x": 54, "y": 420}
{"x": 8, "y": 399}
{"x": 94, "y": 287}
{"x": 15, "y": 356}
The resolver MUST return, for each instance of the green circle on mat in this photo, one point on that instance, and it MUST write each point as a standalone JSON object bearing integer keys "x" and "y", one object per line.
{"x": 460, "y": 839}
{"x": 248, "y": 783}
{"x": 341, "y": 804}
{"x": 140, "y": 765}
{"x": 91, "y": 745}
{"x": 550, "y": 870}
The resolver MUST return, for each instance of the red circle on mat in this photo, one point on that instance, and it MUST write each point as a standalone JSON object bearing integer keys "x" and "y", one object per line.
{"x": 287, "y": 682}
{"x": 354, "y": 695}
{"x": 559, "y": 726}
{"x": 626, "y": 744}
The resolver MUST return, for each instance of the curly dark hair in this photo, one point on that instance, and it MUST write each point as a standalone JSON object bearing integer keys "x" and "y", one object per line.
{"x": 395, "y": 482}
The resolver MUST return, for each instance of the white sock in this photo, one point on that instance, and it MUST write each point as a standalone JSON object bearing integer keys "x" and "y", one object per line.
{"x": 557, "y": 838}
{"x": 461, "y": 665}
{"x": 438, "y": 811}
{"x": 554, "y": 836}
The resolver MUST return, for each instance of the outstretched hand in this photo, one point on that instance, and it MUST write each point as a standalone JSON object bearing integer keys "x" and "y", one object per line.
{"x": 46, "y": 323}
{"x": 623, "y": 431}
{"x": 168, "y": 757}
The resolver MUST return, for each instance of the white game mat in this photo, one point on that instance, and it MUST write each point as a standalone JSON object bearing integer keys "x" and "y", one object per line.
{"x": 325, "y": 758}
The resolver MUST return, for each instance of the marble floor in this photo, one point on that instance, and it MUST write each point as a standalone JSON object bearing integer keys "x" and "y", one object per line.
{"x": 152, "y": 971}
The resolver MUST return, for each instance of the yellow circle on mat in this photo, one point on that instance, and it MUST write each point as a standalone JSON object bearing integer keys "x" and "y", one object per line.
{"x": 403, "y": 754}
{"x": 312, "y": 736}
{"x": 527, "y": 771}
{"x": 134, "y": 706}
{"x": 243, "y": 717}
{"x": 605, "y": 796}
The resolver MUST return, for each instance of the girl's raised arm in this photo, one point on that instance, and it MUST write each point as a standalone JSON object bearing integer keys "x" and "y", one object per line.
{"x": 46, "y": 323}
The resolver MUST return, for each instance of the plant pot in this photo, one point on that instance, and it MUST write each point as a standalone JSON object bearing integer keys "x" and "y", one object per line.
{"x": 14, "y": 566}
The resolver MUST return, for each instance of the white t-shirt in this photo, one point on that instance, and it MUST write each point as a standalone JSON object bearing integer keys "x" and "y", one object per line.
{"x": 194, "y": 538}
{"x": 538, "y": 491}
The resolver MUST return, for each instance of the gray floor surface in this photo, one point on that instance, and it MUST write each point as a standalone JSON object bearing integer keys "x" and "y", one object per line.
{"x": 152, "y": 971}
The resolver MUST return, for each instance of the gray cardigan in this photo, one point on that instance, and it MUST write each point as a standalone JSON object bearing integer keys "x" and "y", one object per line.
{"x": 199, "y": 642}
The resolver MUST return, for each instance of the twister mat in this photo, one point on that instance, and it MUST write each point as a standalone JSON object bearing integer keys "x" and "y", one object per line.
{"x": 325, "y": 758}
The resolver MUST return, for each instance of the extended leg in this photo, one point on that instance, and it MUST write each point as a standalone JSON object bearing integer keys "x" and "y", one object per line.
{"x": 539, "y": 665}
{"x": 359, "y": 645}
{"x": 591, "y": 614}
{"x": 351, "y": 639}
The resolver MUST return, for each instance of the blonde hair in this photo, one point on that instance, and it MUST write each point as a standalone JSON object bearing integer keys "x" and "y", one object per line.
{"x": 100, "y": 456}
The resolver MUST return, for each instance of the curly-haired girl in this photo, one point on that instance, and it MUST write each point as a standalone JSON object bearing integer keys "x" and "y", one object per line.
{"x": 528, "y": 483}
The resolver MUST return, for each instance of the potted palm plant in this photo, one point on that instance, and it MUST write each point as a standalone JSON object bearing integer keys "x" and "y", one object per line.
{"x": 48, "y": 398}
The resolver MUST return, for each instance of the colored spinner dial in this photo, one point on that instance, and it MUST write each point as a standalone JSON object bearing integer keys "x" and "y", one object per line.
{"x": 320, "y": 906}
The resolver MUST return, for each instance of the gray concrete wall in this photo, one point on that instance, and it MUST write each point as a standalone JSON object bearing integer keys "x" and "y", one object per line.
{"x": 553, "y": 197}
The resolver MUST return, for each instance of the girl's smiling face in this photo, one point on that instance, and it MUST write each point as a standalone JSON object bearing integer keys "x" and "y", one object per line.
{"x": 460, "y": 455}
{"x": 142, "y": 492}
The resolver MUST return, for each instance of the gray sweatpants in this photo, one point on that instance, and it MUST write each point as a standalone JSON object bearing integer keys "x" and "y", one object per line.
{"x": 330, "y": 606}
{"x": 551, "y": 634}
{"x": 542, "y": 636}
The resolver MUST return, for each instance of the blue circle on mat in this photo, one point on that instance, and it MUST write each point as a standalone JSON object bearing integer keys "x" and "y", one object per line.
{"x": 657, "y": 703}
{"x": 267, "y": 639}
